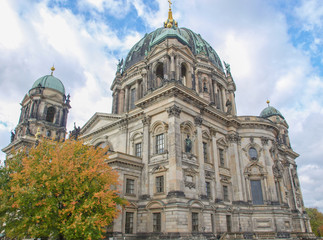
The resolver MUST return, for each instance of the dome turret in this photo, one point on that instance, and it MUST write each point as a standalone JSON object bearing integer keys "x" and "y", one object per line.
{"x": 270, "y": 111}
{"x": 49, "y": 81}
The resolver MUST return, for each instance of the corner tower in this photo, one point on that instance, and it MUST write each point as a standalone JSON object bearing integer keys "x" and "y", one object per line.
{"x": 44, "y": 109}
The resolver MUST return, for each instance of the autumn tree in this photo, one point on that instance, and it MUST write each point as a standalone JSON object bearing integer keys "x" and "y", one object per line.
{"x": 62, "y": 190}
{"x": 316, "y": 220}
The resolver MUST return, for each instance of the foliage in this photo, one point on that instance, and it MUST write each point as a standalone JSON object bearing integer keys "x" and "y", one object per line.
{"x": 62, "y": 190}
{"x": 316, "y": 219}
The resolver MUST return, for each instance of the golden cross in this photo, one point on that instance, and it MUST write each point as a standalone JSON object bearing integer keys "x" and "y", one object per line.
{"x": 170, "y": 3}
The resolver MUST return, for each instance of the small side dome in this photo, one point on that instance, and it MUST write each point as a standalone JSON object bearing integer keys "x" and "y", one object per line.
{"x": 270, "y": 111}
{"x": 49, "y": 81}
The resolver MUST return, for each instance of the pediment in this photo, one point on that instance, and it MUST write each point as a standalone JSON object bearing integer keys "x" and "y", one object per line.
{"x": 98, "y": 121}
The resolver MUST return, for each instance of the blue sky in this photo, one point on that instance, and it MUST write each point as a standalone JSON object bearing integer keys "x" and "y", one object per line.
{"x": 275, "y": 49}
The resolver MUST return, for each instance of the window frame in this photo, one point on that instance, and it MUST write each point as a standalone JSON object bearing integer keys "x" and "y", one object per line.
{"x": 195, "y": 221}
{"x": 157, "y": 226}
{"x": 160, "y": 143}
{"x": 160, "y": 184}
{"x": 138, "y": 153}
{"x": 129, "y": 223}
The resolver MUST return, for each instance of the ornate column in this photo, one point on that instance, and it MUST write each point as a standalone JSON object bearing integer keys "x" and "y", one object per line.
{"x": 175, "y": 177}
{"x": 137, "y": 90}
{"x": 126, "y": 99}
{"x": 218, "y": 186}
{"x": 121, "y": 101}
{"x": 198, "y": 123}
{"x": 144, "y": 82}
{"x": 145, "y": 157}
{"x": 233, "y": 101}
{"x": 235, "y": 166}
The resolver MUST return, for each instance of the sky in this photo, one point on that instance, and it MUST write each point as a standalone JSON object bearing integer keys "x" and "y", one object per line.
{"x": 274, "y": 47}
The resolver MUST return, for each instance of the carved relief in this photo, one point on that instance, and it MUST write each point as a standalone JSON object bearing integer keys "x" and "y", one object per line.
{"x": 146, "y": 120}
{"x": 198, "y": 121}
{"x": 174, "y": 111}
{"x": 233, "y": 137}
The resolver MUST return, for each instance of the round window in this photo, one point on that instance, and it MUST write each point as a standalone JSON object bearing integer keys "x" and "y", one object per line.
{"x": 253, "y": 153}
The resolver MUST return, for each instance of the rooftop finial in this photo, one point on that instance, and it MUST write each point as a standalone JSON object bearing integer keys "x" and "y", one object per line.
{"x": 170, "y": 22}
{"x": 268, "y": 102}
{"x": 53, "y": 69}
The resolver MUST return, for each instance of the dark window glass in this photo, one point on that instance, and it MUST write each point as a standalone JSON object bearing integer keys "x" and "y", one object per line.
{"x": 138, "y": 149}
{"x": 133, "y": 98}
{"x": 160, "y": 71}
{"x": 195, "y": 222}
{"x": 160, "y": 143}
{"x": 253, "y": 153}
{"x": 228, "y": 218}
{"x": 208, "y": 189}
{"x": 256, "y": 192}
{"x": 50, "y": 114}
{"x": 130, "y": 186}
{"x": 156, "y": 222}
{"x": 225, "y": 193}
{"x": 160, "y": 184}
{"x": 129, "y": 222}
{"x": 205, "y": 152}
{"x": 221, "y": 156}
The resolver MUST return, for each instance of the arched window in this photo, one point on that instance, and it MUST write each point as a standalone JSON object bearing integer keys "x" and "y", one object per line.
{"x": 50, "y": 114}
{"x": 253, "y": 153}
{"x": 183, "y": 75}
{"x": 159, "y": 74}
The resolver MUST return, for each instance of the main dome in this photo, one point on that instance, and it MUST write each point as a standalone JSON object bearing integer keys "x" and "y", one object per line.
{"x": 186, "y": 36}
{"x": 49, "y": 81}
{"x": 270, "y": 111}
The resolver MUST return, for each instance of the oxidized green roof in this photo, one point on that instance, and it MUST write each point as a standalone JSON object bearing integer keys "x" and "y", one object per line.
{"x": 270, "y": 111}
{"x": 49, "y": 81}
{"x": 186, "y": 36}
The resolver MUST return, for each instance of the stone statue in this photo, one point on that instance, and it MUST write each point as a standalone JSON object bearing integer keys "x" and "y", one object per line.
{"x": 188, "y": 144}
{"x": 228, "y": 104}
{"x": 119, "y": 66}
{"x": 75, "y": 133}
{"x": 28, "y": 129}
{"x": 227, "y": 67}
{"x": 12, "y": 136}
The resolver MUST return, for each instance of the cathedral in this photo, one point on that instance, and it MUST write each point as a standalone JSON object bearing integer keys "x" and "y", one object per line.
{"x": 189, "y": 166}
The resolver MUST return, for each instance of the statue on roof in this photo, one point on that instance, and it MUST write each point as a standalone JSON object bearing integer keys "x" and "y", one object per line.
{"x": 227, "y": 67}
{"x": 119, "y": 65}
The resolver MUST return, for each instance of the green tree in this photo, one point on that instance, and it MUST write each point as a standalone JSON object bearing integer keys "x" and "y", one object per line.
{"x": 316, "y": 220}
{"x": 63, "y": 190}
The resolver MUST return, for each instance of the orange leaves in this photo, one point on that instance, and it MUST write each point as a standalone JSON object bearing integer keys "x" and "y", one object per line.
{"x": 63, "y": 189}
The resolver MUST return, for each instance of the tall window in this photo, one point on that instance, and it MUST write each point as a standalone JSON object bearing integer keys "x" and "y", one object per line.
{"x": 160, "y": 184}
{"x": 50, "y": 114}
{"x": 156, "y": 222}
{"x": 228, "y": 218}
{"x": 195, "y": 222}
{"x": 208, "y": 189}
{"x": 133, "y": 98}
{"x": 138, "y": 149}
{"x": 256, "y": 192}
{"x": 225, "y": 193}
{"x": 160, "y": 146}
{"x": 205, "y": 152}
{"x": 129, "y": 222}
{"x": 221, "y": 156}
{"x": 130, "y": 186}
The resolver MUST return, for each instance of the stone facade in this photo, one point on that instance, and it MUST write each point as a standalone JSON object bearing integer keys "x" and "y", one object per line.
{"x": 189, "y": 166}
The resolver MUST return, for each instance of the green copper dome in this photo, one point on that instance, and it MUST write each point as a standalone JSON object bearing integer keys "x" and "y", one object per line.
{"x": 49, "y": 81}
{"x": 270, "y": 111}
{"x": 186, "y": 36}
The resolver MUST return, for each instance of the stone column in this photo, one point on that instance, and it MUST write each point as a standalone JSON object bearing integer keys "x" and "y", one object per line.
{"x": 121, "y": 102}
{"x": 137, "y": 90}
{"x": 172, "y": 67}
{"x": 198, "y": 123}
{"x": 233, "y": 101}
{"x": 218, "y": 186}
{"x": 224, "y": 100}
{"x": 145, "y": 157}
{"x": 235, "y": 167}
{"x": 144, "y": 82}
{"x": 175, "y": 177}
{"x": 126, "y": 99}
